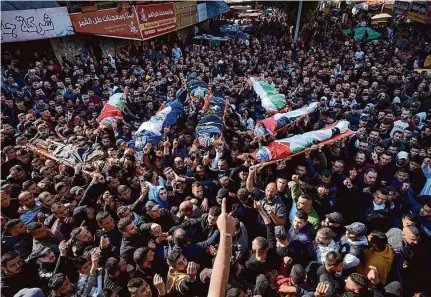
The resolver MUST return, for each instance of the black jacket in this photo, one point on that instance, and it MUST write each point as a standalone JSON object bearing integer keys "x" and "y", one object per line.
{"x": 22, "y": 244}
{"x": 11, "y": 284}
{"x": 130, "y": 244}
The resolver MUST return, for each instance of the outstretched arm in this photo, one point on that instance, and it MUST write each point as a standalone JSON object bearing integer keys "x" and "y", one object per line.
{"x": 221, "y": 268}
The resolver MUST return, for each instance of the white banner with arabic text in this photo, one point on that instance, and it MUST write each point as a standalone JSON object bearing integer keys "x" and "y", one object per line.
{"x": 22, "y": 25}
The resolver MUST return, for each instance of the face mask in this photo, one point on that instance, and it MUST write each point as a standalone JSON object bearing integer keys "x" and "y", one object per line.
{"x": 338, "y": 274}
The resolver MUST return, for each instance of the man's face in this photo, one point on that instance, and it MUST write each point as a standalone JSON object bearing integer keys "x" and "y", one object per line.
{"x": 385, "y": 159}
{"x": 360, "y": 159}
{"x": 379, "y": 198}
{"x": 179, "y": 163}
{"x": 374, "y": 135}
{"x": 409, "y": 237}
{"x": 414, "y": 166}
{"x": 370, "y": 178}
{"x": 222, "y": 165}
{"x": 402, "y": 176}
{"x": 60, "y": 211}
{"x": 320, "y": 239}
{"x": 407, "y": 134}
{"x": 130, "y": 230}
{"x": 271, "y": 191}
{"x": 301, "y": 170}
{"x": 48, "y": 258}
{"x": 337, "y": 167}
{"x": 24, "y": 158}
{"x": 405, "y": 115}
{"x": 304, "y": 204}
{"x": 27, "y": 200}
{"x": 107, "y": 223}
{"x": 46, "y": 199}
{"x": 181, "y": 263}
{"x": 351, "y": 286}
{"x": 126, "y": 194}
{"x": 281, "y": 184}
{"x": 106, "y": 142}
{"x": 381, "y": 116}
{"x": 84, "y": 236}
{"x": 212, "y": 220}
{"x": 298, "y": 224}
{"x": 425, "y": 212}
{"x": 390, "y": 117}
{"x": 396, "y": 137}
{"x": 13, "y": 266}
{"x": 198, "y": 192}
{"x": 65, "y": 288}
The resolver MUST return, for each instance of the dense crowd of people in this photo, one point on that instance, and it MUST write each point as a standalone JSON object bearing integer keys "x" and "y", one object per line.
{"x": 352, "y": 218}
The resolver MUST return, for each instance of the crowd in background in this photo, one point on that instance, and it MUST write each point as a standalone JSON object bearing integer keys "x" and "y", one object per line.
{"x": 348, "y": 219}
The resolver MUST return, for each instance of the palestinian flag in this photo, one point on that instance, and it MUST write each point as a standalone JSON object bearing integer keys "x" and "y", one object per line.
{"x": 281, "y": 120}
{"x": 113, "y": 109}
{"x": 282, "y": 148}
{"x": 271, "y": 99}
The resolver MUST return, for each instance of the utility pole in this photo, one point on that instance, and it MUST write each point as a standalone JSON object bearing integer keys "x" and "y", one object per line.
{"x": 298, "y": 20}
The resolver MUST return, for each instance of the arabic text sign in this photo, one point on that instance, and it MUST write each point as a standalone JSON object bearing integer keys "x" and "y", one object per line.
{"x": 111, "y": 22}
{"x": 185, "y": 13}
{"x": 156, "y": 19}
{"x": 32, "y": 24}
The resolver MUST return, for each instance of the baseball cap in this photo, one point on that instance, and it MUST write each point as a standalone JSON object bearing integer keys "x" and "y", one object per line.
{"x": 357, "y": 228}
{"x": 280, "y": 232}
{"x": 151, "y": 206}
{"x": 355, "y": 106}
{"x": 396, "y": 100}
{"x": 335, "y": 218}
{"x": 402, "y": 155}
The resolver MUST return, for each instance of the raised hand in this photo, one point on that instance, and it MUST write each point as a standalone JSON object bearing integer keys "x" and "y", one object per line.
{"x": 192, "y": 270}
{"x": 225, "y": 222}
{"x": 156, "y": 229}
{"x": 321, "y": 289}
{"x": 373, "y": 275}
{"x": 159, "y": 285}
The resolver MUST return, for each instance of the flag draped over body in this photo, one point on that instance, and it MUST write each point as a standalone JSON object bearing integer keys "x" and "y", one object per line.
{"x": 113, "y": 109}
{"x": 151, "y": 130}
{"x": 271, "y": 99}
{"x": 282, "y": 148}
{"x": 211, "y": 123}
{"x": 280, "y": 120}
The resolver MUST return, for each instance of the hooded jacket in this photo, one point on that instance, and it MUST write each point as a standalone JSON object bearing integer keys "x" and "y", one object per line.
{"x": 352, "y": 251}
{"x": 381, "y": 260}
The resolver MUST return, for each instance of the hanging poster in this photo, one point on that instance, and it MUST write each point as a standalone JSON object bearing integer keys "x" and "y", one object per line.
{"x": 156, "y": 19}
{"x": 32, "y": 24}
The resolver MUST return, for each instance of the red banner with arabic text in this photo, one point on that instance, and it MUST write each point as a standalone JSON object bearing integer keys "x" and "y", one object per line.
{"x": 156, "y": 19}
{"x": 111, "y": 22}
